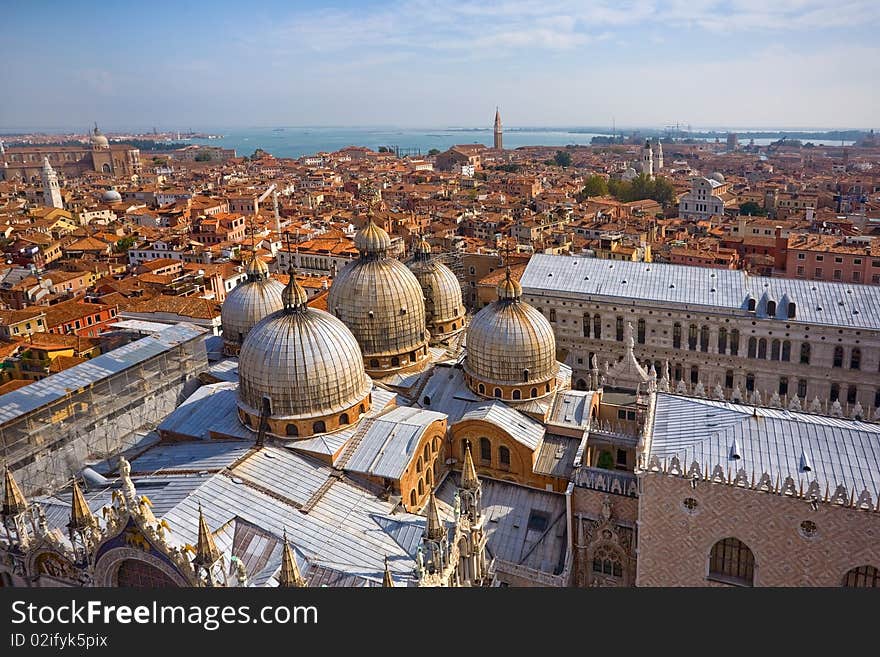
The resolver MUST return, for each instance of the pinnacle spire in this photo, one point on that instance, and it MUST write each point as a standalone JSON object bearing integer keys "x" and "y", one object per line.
{"x": 469, "y": 479}
{"x": 289, "y": 575}
{"x": 434, "y": 528}
{"x": 387, "y": 580}
{"x": 14, "y": 501}
{"x": 80, "y": 514}
{"x": 206, "y": 549}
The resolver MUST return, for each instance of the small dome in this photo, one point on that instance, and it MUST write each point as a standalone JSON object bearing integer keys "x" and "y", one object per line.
{"x": 246, "y": 305}
{"x": 444, "y": 309}
{"x": 509, "y": 288}
{"x": 294, "y": 296}
{"x": 423, "y": 248}
{"x": 257, "y": 267}
{"x": 510, "y": 343}
{"x": 306, "y": 362}
{"x": 372, "y": 240}
{"x": 716, "y": 176}
{"x": 111, "y": 196}
{"x": 98, "y": 140}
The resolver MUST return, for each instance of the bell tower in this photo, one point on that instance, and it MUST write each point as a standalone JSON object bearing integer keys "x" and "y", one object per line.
{"x": 499, "y": 136}
{"x": 51, "y": 189}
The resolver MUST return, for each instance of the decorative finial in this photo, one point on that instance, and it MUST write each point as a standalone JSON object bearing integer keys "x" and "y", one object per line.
{"x": 433, "y": 528}
{"x": 14, "y": 501}
{"x": 387, "y": 580}
{"x": 206, "y": 549}
{"x": 80, "y": 513}
{"x": 469, "y": 479}
{"x": 289, "y": 575}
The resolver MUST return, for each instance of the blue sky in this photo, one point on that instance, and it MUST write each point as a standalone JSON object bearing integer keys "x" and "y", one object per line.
{"x": 432, "y": 63}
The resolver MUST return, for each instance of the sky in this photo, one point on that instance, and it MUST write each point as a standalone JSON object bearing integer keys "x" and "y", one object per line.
{"x": 432, "y": 63}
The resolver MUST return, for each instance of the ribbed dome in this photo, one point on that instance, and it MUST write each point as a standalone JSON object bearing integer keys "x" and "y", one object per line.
{"x": 111, "y": 196}
{"x": 248, "y": 303}
{"x": 98, "y": 140}
{"x": 305, "y": 361}
{"x": 510, "y": 343}
{"x": 381, "y": 302}
{"x": 372, "y": 240}
{"x": 257, "y": 267}
{"x": 441, "y": 290}
{"x": 509, "y": 288}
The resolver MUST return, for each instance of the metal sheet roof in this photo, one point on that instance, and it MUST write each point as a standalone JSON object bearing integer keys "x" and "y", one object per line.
{"x": 192, "y": 456}
{"x": 571, "y": 409}
{"x": 521, "y": 428}
{"x": 56, "y": 386}
{"x": 818, "y": 302}
{"x": 388, "y": 444}
{"x": 556, "y": 456}
{"x": 767, "y": 440}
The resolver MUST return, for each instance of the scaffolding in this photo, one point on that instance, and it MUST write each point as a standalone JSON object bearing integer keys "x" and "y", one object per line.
{"x": 49, "y": 428}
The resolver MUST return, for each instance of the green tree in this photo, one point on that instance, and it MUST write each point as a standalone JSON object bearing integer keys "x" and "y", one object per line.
{"x": 664, "y": 192}
{"x": 204, "y": 157}
{"x": 562, "y": 159}
{"x": 125, "y": 243}
{"x": 434, "y": 151}
{"x": 595, "y": 186}
{"x": 752, "y": 209}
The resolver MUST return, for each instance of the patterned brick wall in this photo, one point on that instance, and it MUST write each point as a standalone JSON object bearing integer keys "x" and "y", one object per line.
{"x": 674, "y": 544}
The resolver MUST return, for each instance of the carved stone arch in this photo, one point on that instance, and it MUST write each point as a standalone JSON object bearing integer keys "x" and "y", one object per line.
{"x": 46, "y": 561}
{"x": 107, "y": 567}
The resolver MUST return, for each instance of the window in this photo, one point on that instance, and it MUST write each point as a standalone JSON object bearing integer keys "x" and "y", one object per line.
{"x": 838, "y": 357}
{"x": 734, "y": 342}
{"x": 374, "y": 363}
{"x": 783, "y": 385}
{"x": 692, "y": 337}
{"x": 640, "y": 331}
{"x": 607, "y": 562}
{"x": 421, "y": 488}
{"x": 862, "y": 577}
{"x": 678, "y": 373}
{"x": 426, "y": 454}
{"x": 786, "y": 350}
{"x": 728, "y": 379}
{"x": 704, "y": 338}
{"x": 792, "y": 310}
{"x": 485, "y": 450}
{"x": 586, "y": 322}
{"x": 817, "y": 273}
{"x": 435, "y": 444}
{"x": 695, "y": 374}
{"x": 481, "y": 388}
{"x": 750, "y": 382}
{"x": 621, "y": 457}
{"x": 517, "y": 394}
{"x": 319, "y": 427}
{"x": 762, "y": 348}
{"x": 292, "y": 430}
{"x": 504, "y": 458}
{"x": 771, "y": 309}
{"x": 834, "y": 394}
{"x": 343, "y": 419}
{"x": 731, "y": 561}
{"x": 597, "y": 326}
{"x": 774, "y": 350}
{"x": 851, "y": 394}
{"x": 553, "y": 314}
{"x": 805, "y": 353}
{"x": 676, "y": 335}
{"x": 802, "y": 388}
{"x": 855, "y": 359}
{"x": 722, "y": 340}
{"x": 533, "y": 392}
{"x": 497, "y": 392}
{"x": 753, "y": 347}
{"x": 395, "y": 361}
{"x": 134, "y": 573}
{"x": 838, "y": 274}
{"x": 419, "y": 464}
{"x": 690, "y": 504}
{"x": 619, "y": 327}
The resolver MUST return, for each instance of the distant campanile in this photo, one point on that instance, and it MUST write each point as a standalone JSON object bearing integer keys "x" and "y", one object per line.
{"x": 499, "y": 142}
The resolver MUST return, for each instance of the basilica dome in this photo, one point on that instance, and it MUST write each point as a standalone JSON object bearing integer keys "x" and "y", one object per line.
{"x": 511, "y": 349}
{"x": 444, "y": 310}
{"x": 382, "y": 303}
{"x": 308, "y": 366}
{"x": 111, "y": 196}
{"x": 248, "y": 303}
{"x": 98, "y": 140}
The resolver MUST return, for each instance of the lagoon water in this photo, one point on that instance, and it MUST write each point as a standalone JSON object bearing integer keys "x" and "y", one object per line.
{"x": 296, "y": 142}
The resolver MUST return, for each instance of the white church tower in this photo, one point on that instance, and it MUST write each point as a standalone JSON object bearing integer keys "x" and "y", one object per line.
{"x": 51, "y": 190}
{"x": 648, "y": 160}
{"x": 658, "y": 157}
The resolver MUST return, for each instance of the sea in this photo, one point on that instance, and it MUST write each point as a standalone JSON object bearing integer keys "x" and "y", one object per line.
{"x": 296, "y": 142}
{"x": 299, "y": 141}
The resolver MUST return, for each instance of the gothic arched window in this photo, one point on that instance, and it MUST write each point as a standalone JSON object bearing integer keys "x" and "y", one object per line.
{"x": 731, "y": 561}
{"x": 862, "y": 577}
{"x": 485, "y": 450}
